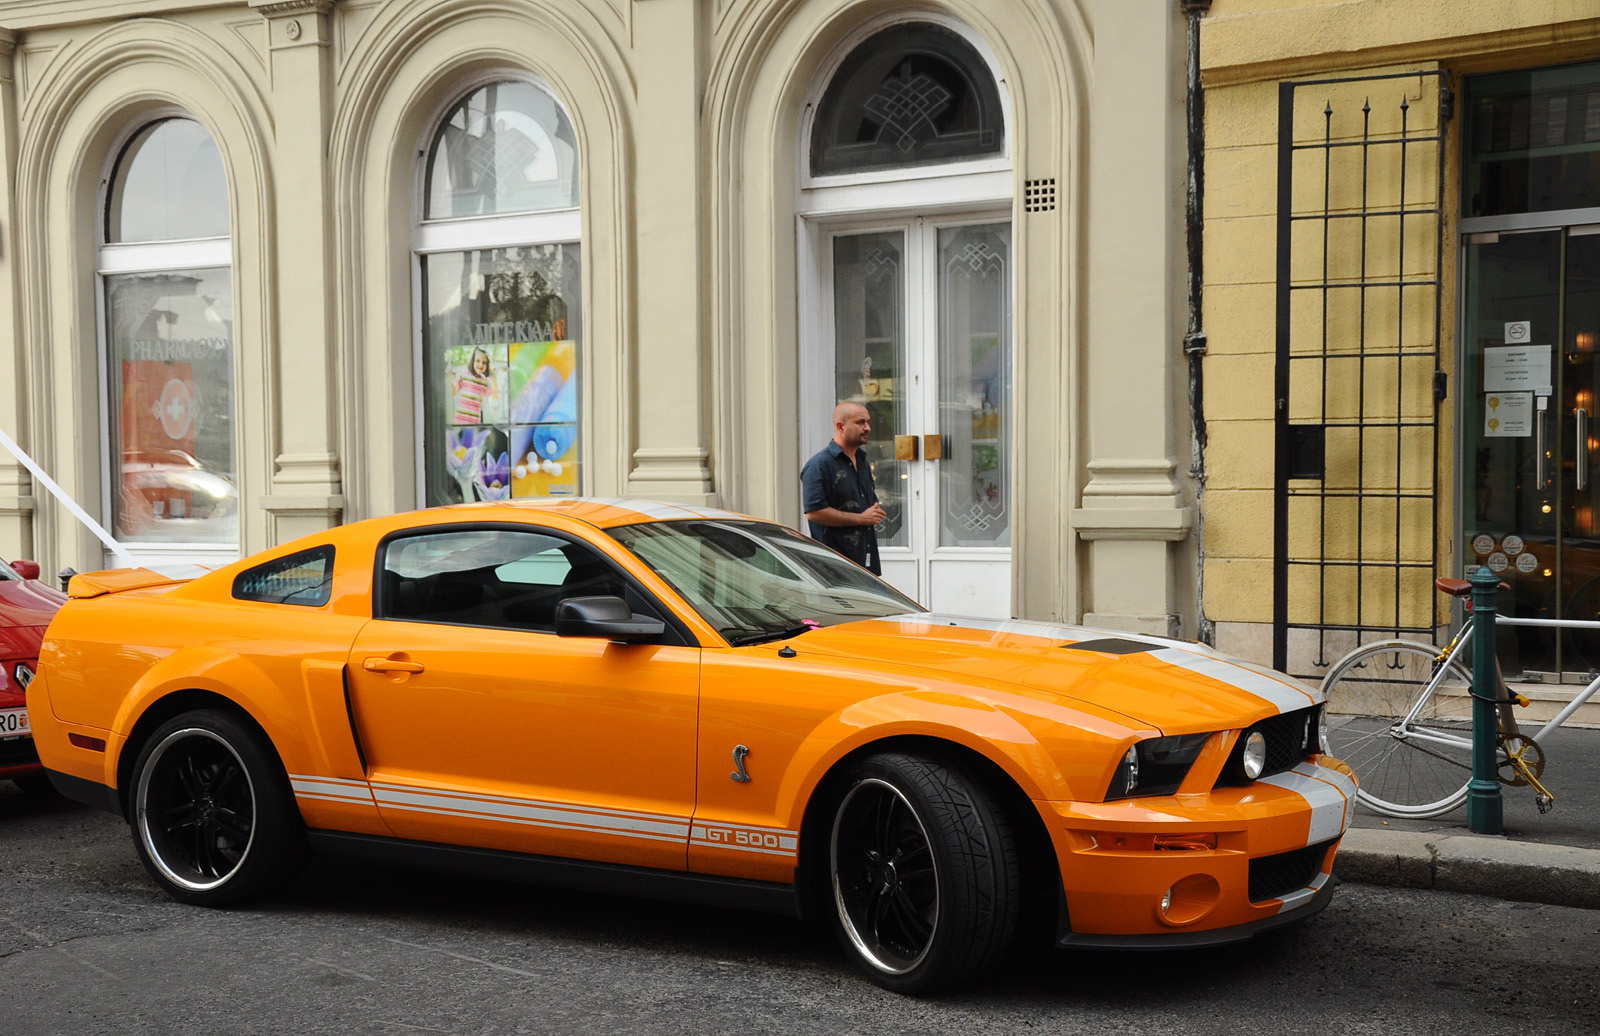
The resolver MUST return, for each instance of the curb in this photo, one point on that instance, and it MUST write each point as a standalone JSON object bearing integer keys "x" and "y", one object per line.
{"x": 1560, "y": 875}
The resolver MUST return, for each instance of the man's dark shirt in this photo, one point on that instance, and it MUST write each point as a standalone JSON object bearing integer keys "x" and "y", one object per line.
{"x": 830, "y": 480}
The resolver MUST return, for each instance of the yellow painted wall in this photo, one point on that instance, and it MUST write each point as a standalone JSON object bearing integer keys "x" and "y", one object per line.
{"x": 1247, "y": 48}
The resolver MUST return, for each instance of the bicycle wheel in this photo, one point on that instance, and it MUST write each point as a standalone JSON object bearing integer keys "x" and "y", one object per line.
{"x": 1416, "y": 767}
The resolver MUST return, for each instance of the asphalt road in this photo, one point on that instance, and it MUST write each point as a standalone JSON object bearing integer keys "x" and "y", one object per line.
{"x": 88, "y": 946}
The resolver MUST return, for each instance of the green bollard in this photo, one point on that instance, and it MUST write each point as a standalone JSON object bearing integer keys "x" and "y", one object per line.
{"x": 1484, "y": 815}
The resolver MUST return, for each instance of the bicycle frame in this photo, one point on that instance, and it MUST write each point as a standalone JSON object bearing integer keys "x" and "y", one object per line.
{"x": 1457, "y": 654}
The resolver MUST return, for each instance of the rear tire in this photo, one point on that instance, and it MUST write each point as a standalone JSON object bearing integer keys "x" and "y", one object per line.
{"x": 1401, "y": 773}
{"x": 925, "y": 880}
{"x": 212, "y": 814}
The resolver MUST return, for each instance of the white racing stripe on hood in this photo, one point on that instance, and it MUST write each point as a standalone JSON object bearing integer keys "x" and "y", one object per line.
{"x": 1045, "y": 630}
{"x": 1282, "y": 691}
{"x": 1327, "y": 792}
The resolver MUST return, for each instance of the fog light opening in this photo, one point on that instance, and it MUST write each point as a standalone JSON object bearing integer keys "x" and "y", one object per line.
{"x": 1189, "y": 900}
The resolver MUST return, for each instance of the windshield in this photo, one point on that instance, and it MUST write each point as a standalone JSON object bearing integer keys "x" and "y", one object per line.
{"x": 755, "y": 581}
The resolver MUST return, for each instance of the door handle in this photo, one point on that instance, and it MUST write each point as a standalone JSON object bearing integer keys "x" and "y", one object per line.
{"x": 389, "y": 665}
{"x": 1581, "y": 453}
{"x": 1538, "y": 445}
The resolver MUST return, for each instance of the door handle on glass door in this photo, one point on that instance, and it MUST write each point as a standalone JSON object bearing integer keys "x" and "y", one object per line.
{"x": 390, "y": 665}
{"x": 1538, "y": 443}
{"x": 1581, "y": 454}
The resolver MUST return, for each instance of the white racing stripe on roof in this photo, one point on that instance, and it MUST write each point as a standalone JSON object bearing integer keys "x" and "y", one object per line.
{"x": 659, "y": 511}
{"x": 1328, "y": 792}
{"x": 1282, "y": 691}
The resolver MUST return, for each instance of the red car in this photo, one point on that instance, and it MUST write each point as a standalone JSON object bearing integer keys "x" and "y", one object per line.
{"x": 26, "y": 608}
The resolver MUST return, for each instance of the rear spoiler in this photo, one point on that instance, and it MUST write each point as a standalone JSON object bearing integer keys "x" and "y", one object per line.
{"x": 117, "y": 580}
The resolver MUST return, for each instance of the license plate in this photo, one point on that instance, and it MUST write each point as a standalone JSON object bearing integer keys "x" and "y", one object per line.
{"x": 14, "y": 723}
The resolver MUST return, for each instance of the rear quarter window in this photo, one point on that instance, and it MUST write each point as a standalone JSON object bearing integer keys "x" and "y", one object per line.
{"x": 305, "y": 578}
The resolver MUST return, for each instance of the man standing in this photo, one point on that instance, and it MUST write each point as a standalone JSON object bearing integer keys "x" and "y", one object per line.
{"x": 837, "y": 493}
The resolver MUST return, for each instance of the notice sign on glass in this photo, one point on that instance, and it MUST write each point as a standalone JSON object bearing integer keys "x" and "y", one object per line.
{"x": 1517, "y": 368}
{"x": 1508, "y": 414}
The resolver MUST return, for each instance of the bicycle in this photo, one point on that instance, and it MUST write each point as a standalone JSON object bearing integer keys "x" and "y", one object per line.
{"x": 1399, "y": 713}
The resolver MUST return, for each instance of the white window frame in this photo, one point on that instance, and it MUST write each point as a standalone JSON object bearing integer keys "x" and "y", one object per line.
{"x": 562, "y": 226}
{"x": 211, "y": 253}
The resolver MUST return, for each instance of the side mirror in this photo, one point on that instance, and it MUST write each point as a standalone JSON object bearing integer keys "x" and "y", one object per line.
{"x": 26, "y": 569}
{"x": 608, "y": 617}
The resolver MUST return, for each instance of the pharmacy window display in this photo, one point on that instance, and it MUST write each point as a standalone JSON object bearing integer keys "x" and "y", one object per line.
{"x": 501, "y": 384}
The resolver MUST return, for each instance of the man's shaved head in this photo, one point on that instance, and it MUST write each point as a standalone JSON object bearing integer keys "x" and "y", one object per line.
{"x": 846, "y": 410}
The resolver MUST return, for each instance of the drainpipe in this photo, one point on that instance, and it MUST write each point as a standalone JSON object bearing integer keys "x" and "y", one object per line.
{"x": 1194, "y": 340}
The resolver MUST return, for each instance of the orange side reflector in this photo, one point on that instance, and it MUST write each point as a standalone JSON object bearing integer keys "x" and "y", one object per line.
{"x": 1186, "y": 842}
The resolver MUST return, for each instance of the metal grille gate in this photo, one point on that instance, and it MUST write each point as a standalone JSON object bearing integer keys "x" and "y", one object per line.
{"x": 1359, "y": 382}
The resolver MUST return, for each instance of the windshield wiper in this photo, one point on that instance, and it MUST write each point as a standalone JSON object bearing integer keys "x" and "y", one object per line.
{"x": 739, "y": 636}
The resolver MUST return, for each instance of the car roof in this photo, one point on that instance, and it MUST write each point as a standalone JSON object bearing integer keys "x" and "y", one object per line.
{"x": 601, "y": 512}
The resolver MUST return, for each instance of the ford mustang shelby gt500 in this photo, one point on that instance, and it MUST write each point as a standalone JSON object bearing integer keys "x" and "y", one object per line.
{"x": 687, "y": 703}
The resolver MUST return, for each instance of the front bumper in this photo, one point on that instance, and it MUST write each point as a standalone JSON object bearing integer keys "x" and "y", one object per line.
{"x": 1204, "y": 868}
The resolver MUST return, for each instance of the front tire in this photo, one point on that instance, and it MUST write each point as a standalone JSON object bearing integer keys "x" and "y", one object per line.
{"x": 925, "y": 879}
{"x": 213, "y": 818}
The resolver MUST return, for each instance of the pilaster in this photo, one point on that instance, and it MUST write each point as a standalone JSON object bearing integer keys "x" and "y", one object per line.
{"x": 1134, "y": 506}
{"x": 671, "y": 381}
{"x": 16, "y": 485}
{"x": 306, "y": 493}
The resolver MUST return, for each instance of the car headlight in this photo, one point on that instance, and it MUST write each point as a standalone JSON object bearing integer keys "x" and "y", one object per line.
{"x": 1254, "y": 757}
{"x": 1156, "y": 766}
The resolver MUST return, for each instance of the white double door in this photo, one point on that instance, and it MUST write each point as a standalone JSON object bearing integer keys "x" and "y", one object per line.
{"x": 913, "y": 319}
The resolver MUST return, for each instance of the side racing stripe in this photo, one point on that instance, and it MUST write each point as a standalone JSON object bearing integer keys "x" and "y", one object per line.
{"x": 1283, "y": 692}
{"x": 654, "y": 827}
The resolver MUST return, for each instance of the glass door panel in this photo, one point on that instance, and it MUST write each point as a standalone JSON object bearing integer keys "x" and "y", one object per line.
{"x": 1579, "y": 556}
{"x": 975, "y": 385}
{"x": 869, "y": 306}
{"x": 1530, "y": 439}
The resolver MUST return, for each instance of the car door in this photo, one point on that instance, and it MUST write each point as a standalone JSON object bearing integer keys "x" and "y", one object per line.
{"x": 482, "y": 727}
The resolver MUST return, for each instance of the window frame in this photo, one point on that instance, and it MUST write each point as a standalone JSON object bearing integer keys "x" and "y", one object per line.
{"x": 114, "y": 259}
{"x": 562, "y": 226}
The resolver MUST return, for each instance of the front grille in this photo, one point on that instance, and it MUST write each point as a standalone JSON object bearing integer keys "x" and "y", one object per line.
{"x": 1272, "y": 877}
{"x": 1290, "y": 738}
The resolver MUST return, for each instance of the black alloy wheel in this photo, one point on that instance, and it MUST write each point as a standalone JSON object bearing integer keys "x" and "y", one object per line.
{"x": 924, "y": 872}
{"x": 212, "y": 815}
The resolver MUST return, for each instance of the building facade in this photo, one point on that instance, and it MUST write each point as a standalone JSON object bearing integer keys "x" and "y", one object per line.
{"x": 270, "y": 266}
{"x": 1401, "y": 303}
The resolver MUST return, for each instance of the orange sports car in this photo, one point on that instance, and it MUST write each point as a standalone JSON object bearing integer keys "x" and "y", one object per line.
{"x": 687, "y": 703}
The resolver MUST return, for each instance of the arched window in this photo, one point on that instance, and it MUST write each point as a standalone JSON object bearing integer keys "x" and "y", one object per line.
{"x": 498, "y": 255}
{"x": 165, "y": 264}
{"x": 906, "y": 274}
{"x": 913, "y": 94}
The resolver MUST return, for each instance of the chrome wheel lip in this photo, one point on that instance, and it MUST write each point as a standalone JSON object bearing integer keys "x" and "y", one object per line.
{"x": 142, "y": 817}
{"x": 852, "y": 931}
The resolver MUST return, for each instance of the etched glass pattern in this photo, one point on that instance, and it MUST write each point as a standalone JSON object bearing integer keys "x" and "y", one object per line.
{"x": 914, "y": 94}
{"x": 975, "y": 385}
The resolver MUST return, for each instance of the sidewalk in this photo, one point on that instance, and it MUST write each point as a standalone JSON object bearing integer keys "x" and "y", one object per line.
{"x": 1553, "y": 858}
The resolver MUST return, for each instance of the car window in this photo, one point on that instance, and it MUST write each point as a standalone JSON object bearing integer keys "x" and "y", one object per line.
{"x": 499, "y": 578}
{"x": 304, "y": 578}
{"x": 753, "y": 580}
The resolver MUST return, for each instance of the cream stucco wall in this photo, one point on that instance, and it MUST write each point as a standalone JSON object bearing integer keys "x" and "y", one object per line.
{"x": 688, "y": 115}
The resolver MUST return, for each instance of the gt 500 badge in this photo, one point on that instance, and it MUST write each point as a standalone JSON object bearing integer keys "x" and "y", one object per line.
{"x": 746, "y": 839}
